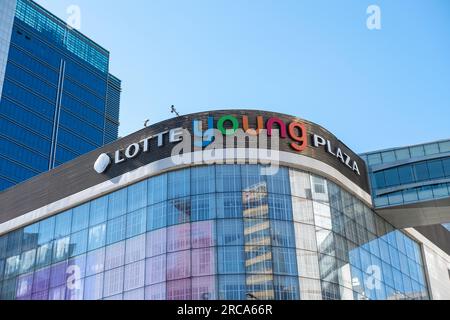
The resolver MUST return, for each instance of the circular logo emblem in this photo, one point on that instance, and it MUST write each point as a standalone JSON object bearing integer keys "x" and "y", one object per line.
{"x": 103, "y": 161}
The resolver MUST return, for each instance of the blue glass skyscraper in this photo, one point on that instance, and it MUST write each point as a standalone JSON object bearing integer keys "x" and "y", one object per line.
{"x": 58, "y": 99}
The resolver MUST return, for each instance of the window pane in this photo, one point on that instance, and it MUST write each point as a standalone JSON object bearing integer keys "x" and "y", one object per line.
{"x": 115, "y": 255}
{"x": 402, "y": 154}
{"x": 80, "y": 217}
{"x": 95, "y": 262}
{"x": 421, "y": 171}
{"x": 231, "y": 260}
{"x": 280, "y": 207}
{"x": 230, "y": 232}
{"x": 155, "y": 270}
{"x": 229, "y": 205}
{"x": 203, "y": 180}
{"x": 435, "y": 169}
{"x": 178, "y": 184}
{"x": 282, "y": 234}
{"x": 232, "y": 287}
{"x": 203, "y": 234}
{"x": 113, "y": 283}
{"x": 417, "y": 151}
{"x": 178, "y": 211}
{"x": 446, "y": 165}
{"x": 63, "y": 224}
{"x": 300, "y": 184}
{"x": 29, "y": 240}
{"x": 117, "y": 203}
{"x": 93, "y": 287}
{"x": 379, "y": 179}
{"x": 136, "y": 222}
{"x": 178, "y": 265}
{"x": 406, "y": 174}
{"x": 203, "y": 261}
{"x": 156, "y": 242}
{"x": 388, "y": 156}
{"x": 46, "y": 230}
{"x": 78, "y": 243}
{"x": 157, "y": 189}
{"x": 61, "y": 249}
{"x": 286, "y": 288}
{"x": 228, "y": 178}
{"x": 284, "y": 261}
{"x": 204, "y": 288}
{"x": 97, "y": 236}
{"x": 116, "y": 230}
{"x": 134, "y": 275}
{"x": 279, "y": 182}
{"x": 391, "y": 177}
{"x": 179, "y": 237}
{"x": 99, "y": 211}
{"x": 137, "y": 196}
{"x": 157, "y": 216}
{"x": 203, "y": 207}
{"x": 135, "y": 249}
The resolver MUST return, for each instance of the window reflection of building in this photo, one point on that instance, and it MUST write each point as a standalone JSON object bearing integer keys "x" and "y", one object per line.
{"x": 258, "y": 253}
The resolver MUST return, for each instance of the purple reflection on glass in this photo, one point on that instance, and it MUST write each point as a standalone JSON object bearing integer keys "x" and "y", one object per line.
{"x": 58, "y": 275}
{"x": 204, "y": 288}
{"x": 203, "y": 234}
{"x": 58, "y": 293}
{"x": 155, "y": 269}
{"x": 178, "y": 265}
{"x": 74, "y": 290}
{"x": 43, "y": 295}
{"x": 41, "y": 280}
{"x": 156, "y": 292}
{"x": 203, "y": 262}
{"x": 80, "y": 263}
{"x": 95, "y": 262}
{"x": 179, "y": 237}
{"x": 24, "y": 286}
{"x": 156, "y": 242}
{"x": 179, "y": 290}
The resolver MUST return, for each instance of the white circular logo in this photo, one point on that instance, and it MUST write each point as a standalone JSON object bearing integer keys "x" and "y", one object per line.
{"x": 102, "y": 163}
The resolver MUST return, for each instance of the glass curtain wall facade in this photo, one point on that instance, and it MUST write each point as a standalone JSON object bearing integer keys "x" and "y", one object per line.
{"x": 215, "y": 232}
{"x": 411, "y": 174}
{"x": 58, "y": 100}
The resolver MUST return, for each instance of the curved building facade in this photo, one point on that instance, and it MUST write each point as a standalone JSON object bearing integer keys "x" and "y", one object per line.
{"x": 148, "y": 225}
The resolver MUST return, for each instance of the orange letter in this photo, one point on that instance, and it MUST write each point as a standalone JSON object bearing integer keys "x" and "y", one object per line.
{"x": 252, "y": 132}
{"x": 300, "y": 137}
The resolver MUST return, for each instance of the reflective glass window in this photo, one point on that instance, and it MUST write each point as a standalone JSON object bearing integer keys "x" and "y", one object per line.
{"x": 435, "y": 169}
{"x": 80, "y": 217}
{"x": 421, "y": 171}
{"x": 156, "y": 216}
{"x": 136, "y": 222}
{"x": 203, "y": 180}
{"x": 116, "y": 230}
{"x": 405, "y": 174}
{"x": 117, "y": 203}
{"x": 99, "y": 211}
{"x": 63, "y": 224}
{"x": 157, "y": 189}
{"x": 391, "y": 177}
{"x": 178, "y": 184}
{"x": 137, "y": 196}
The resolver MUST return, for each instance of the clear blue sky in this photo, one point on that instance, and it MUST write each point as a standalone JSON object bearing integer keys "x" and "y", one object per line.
{"x": 314, "y": 59}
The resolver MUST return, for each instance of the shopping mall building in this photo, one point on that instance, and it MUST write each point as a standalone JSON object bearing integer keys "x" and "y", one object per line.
{"x": 236, "y": 204}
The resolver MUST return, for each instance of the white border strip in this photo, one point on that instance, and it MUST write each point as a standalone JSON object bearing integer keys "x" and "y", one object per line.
{"x": 288, "y": 159}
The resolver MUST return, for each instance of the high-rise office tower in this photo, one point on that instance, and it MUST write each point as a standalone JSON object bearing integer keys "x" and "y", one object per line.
{"x": 58, "y": 99}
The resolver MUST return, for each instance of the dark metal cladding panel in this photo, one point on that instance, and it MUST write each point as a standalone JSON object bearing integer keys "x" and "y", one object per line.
{"x": 78, "y": 174}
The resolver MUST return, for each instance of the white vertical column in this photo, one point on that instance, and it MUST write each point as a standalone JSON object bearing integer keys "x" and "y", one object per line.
{"x": 7, "y": 12}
